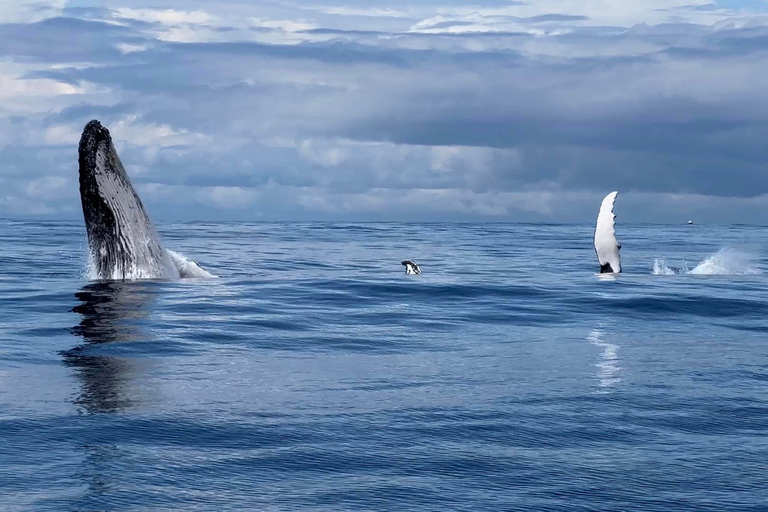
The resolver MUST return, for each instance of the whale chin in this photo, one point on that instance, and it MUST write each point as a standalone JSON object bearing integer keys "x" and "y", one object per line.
{"x": 122, "y": 241}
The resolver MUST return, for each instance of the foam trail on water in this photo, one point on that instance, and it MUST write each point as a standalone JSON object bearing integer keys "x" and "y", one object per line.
{"x": 727, "y": 261}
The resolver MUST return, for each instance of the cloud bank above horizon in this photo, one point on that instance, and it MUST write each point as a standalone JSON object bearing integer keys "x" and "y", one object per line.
{"x": 370, "y": 110}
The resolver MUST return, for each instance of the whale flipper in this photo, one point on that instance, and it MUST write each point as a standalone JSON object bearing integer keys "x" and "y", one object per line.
{"x": 123, "y": 242}
{"x": 187, "y": 268}
{"x": 606, "y": 246}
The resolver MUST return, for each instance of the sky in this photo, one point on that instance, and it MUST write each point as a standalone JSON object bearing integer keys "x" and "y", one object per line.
{"x": 398, "y": 110}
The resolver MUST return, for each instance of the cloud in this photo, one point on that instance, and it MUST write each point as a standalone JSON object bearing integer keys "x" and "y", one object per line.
{"x": 165, "y": 16}
{"x": 392, "y": 110}
{"x": 27, "y": 11}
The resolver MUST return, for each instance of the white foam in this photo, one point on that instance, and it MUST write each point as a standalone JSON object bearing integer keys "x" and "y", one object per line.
{"x": 135, "y": 272}
{"x": 727, "y": 261}
{"x": 176, "y": 266}
{"x": 660, "y": 268}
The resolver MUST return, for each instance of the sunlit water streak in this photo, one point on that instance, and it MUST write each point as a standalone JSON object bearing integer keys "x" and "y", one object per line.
{"x": 313, "y": 374}
{"x": 608, "y": 366}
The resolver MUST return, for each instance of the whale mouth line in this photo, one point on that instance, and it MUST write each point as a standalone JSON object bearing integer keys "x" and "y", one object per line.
{"x": 123, "y": 243}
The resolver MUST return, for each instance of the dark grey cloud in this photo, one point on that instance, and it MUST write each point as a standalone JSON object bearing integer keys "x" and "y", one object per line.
{"x": 544, "y": 18}
{"x": 695, "y": 8}
{"x": 65, "y": 40}
{"x": 319, "y": 109}
{"x": 336, "y": 31}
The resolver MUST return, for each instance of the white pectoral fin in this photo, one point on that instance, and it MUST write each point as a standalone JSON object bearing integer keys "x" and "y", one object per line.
{"x": 188, "y": 268}
{"x": 606, "y": 245}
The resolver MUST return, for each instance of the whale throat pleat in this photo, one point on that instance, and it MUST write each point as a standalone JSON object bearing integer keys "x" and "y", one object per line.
{"x": 123, "y": 241}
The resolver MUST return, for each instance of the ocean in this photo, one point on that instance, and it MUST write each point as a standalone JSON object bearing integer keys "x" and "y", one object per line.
{"x": 313, "y": 374}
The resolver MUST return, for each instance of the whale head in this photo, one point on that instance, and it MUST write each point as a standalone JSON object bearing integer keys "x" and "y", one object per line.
{"x": 411, "y": 267}
{"x": 122, "y": 240}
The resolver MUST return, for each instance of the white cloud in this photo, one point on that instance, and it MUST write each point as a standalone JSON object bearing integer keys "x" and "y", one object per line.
{"x": 319, "y": 153}
{"x": 13, "y": 205}
{"x": 230, "y": 197}
{"x": 372, "y": 12}
{"x": 62, "y": 135}
{"x": 14, "y": 87}
{"x": 166, "y": 16}
{"x": 131, "y": 48}
{"x": 47, "y": 188}
{"x": 29, "y": 11}
{"x": 132, "y": 131}
{"x": 284, "y": 25}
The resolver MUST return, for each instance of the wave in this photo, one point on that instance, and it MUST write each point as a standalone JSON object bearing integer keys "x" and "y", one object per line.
{"x": 727, "y": 261}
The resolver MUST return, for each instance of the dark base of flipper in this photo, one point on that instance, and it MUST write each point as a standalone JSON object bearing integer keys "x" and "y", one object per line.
{"x": 606, "y": 269}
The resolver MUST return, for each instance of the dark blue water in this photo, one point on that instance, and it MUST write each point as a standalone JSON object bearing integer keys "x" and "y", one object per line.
{"x": 315, "y": 375}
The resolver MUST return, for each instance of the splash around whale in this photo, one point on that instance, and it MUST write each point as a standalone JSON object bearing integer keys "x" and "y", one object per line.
{"x": 726, "y": 261}
{"x": 122, "y": 241}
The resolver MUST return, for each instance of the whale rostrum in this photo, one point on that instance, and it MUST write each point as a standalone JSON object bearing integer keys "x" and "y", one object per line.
{"x": 123, "y": 243}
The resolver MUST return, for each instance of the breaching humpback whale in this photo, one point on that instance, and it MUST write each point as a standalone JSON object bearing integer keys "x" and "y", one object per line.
{"x": 411, "y": 267}
{"x": 606, "y": 246}
{"x": 122, "y": 240}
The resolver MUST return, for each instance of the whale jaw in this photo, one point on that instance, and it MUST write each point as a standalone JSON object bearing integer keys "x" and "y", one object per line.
{"x": 122, "y": 240}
